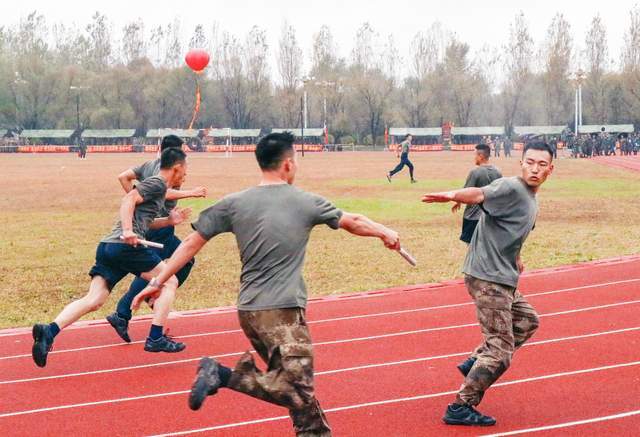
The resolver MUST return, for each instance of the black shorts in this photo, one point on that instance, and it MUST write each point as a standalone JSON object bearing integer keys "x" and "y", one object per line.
{"x": 115, "y": 260}
{"x": 468, "y": 228}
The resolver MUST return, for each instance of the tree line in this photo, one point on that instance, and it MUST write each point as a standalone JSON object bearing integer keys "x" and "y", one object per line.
{"x": 137, "y": 78}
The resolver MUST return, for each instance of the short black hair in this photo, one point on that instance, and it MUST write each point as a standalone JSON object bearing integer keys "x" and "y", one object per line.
{"x": 171, "y": 141}
{"x": 171, "y": 157}
{"x": 272, "y": 148}
{"x": 538, "y": 145}
{"x": 484, "y": 149}
{"x": 407, "y": 136}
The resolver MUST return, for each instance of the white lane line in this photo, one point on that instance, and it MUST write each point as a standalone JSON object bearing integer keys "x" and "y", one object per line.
{"x": 566, "y": 424}
{"x": 406, "y": 399}
{"x": 324, "y": 343}
{"x": 205, "y": 313}
{"x": 336, "y": 319}
{"x": 329, "y": 372}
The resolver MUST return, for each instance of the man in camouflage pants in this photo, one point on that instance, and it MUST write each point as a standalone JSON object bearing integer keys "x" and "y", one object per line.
{"x": 492, "y": 269}
{"x": 271, "y": 223}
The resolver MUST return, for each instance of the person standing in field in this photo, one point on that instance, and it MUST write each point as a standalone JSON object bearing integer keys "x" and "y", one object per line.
{"x": 492, "y": 269}
{"x": 482, "y": 175}
{"x": 272, "y": 223}
{"x": 403, "y": 153}
{"x": 166, "y": 236}
{"x": 120, "y": 253}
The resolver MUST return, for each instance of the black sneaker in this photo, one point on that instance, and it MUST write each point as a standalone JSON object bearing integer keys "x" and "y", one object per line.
{"x": 121, "y": 325}
{"x": 413, "y": 181}
{"x": 466, "y": 415}
{"x": 42, "y": 344}
{"x": 206, "y": 383}
{"x": 163, "y": 344}
{"x": 389, "y": 177}
{"x": 466, "y": 365}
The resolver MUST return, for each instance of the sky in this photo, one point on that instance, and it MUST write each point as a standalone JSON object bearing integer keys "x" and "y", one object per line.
{"x": 478, "y": 23}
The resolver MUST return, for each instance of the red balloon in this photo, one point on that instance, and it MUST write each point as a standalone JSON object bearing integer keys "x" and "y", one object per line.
{"x": 197, "y": 59}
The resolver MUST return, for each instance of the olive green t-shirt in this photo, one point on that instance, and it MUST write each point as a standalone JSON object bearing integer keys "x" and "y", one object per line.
{"x": 271, "y": 224}
{"x": 510, "y": 211}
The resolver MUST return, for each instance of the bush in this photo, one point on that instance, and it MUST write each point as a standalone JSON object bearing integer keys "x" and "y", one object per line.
{"x": 331, "y": 139}
{"x": 347, "y": 139}
{"x": 368, "y": 140}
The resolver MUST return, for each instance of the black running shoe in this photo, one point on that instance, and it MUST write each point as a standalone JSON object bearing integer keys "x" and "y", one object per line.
{"x": 466, "y": 365}
{"x": 206, "y": 383}
{"x": 163, "y": 344}
{"x": 121, "y": 325}
{"x": 466, "y": 415}
{"x": 42, "y": 344}
{"x": 413, "y": 181}
{"x": 389, "y": 177}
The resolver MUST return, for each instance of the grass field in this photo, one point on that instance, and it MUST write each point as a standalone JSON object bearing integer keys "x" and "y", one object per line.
{"x": 55, "y": 208}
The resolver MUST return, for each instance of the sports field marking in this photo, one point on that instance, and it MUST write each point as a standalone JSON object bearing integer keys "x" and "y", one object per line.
{"x": 406, "y": 399}
{"x": 205, "y": 313}
{"x": 349, "y": 340}
{"x": 347, "y": 369}
{"x": 335, "y": 319}
{"x": 566, "y": 424}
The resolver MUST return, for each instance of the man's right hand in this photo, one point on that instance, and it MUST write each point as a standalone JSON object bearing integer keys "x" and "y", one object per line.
{"x": 391, "y": 239}
{"x": 443, "y": 197}
{"x": 199, "y": 192}
{"x": 129, "y": 237}
{"x": 456, "y": 207}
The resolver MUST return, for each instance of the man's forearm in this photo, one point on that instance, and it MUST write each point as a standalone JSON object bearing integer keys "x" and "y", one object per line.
{"x": 363, "y": 226}
{"x": 183, "y": 254}
{"x": 127, "y": 184}
{"x": 127, "y": 207}
{"x": 174, "y": 194}
{"x": 161, "y": 222}
{"x": 468, "y": 196}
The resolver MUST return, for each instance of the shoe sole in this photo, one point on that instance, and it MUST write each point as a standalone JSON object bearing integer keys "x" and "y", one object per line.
{"x": 38, "y": 333}
{"x": 164, "y": 350}
{"x": 200, "y": 388}
{"x": 462, "y": 422}
{"x": 127, "y": 338}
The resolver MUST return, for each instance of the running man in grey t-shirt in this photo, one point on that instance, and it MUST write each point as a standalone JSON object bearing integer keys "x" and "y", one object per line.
{"x": 482, "y": 175}
{"x": 166, "y": 236}
{"x": 120, "y": 253}
{"x": 271, "y": 223}
{"x": 492, "y": 269}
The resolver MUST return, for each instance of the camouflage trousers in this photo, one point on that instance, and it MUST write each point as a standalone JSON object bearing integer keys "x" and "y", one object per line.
{"x": 281, "y": 338}
{"x": 507, "y": 321}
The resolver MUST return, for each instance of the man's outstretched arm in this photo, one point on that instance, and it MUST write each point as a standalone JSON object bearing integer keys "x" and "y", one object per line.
{"x": 360, "y": 225}
{"x": 469, "y": 196}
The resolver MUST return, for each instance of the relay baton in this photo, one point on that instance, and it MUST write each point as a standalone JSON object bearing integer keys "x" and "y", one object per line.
{"x": 149, "y": 243}
{"x": 408, "y": 257}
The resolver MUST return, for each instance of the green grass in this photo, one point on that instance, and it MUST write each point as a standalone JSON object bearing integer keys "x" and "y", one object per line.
{"x": 56, "y": 209}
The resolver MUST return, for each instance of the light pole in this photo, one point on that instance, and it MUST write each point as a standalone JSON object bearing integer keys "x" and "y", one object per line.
{"x": 578, "y": 78}
{"x": 78, "y": 89}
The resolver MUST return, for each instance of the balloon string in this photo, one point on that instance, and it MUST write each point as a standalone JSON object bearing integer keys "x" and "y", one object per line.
{"x": 196, "y": 109}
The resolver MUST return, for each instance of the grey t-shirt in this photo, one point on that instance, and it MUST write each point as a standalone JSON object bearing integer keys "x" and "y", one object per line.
{"x": 479, "y": 177}
{"x": 152, "y": 168}
{"x": 152, "y": 190}
{"x": 272, "y": 224}
{"x": 510, "y": 210}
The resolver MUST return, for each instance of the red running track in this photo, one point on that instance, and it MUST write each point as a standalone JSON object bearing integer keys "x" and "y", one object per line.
{"x": 630, "y": 162}
{"x": 385, "y": 366}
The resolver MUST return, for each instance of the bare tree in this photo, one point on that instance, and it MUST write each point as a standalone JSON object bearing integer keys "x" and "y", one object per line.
{"x": 99, "y": 41}
{"x": 173, "y": 53}
{"x": 557, "y": 55}
{"x": 198, "y": 39}
{"x": 518, "y": 54}
{"x": 595, "y": 55}
{"x": 631, "y": 62}
{"x": 133, "y": 43}
{"x": 289, "y": 66}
